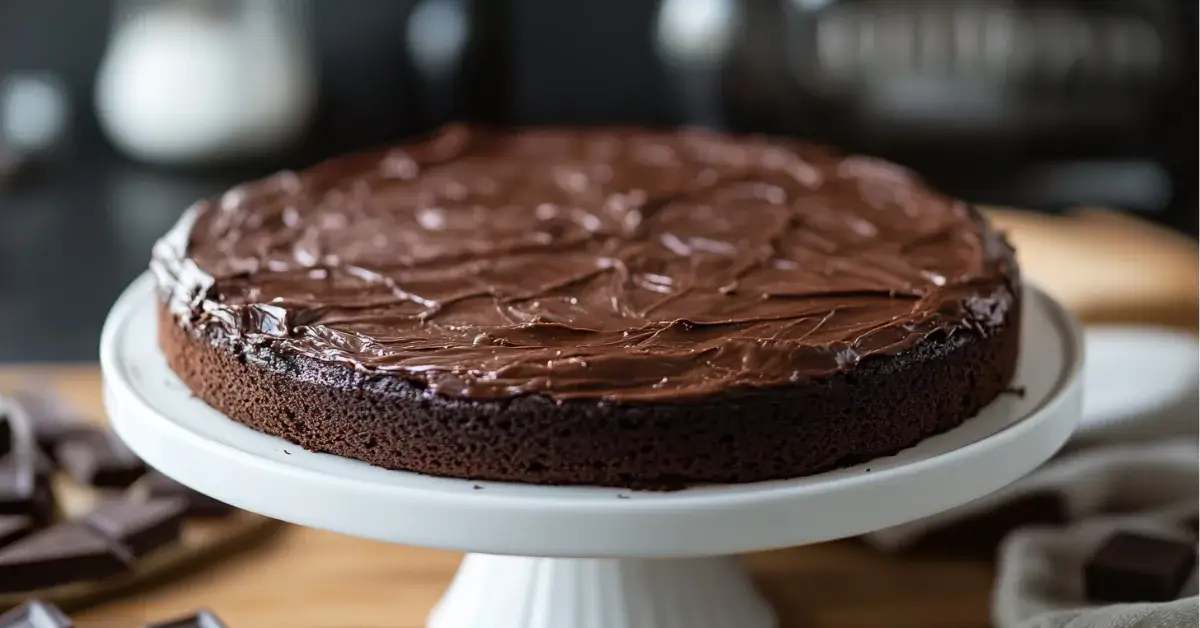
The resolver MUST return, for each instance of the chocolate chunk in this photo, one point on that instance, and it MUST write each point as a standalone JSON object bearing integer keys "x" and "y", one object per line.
{"x": 42, "y": 464}
{"x": 24, "y": 475}
{"x": 202, "y": 619}
{"x": 17, "y": 483}
{"x": 66, "y": 553}
{"x": 35, "y": 614}
{"x": 50, "y": 419}
{"x": 1131, "y": 567}
{"x": 24, "y": 490}
{"x": 19, "y": 447}
{"x": 98, "y": 458}
{"x": 13, "y": 527}
{"x": 157, "y": 485}
{"x": 979, "y": 534}
{"x": 141, "y": 527}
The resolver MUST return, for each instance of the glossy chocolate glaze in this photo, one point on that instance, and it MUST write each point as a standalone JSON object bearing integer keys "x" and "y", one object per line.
{"x": 606, "y": 264}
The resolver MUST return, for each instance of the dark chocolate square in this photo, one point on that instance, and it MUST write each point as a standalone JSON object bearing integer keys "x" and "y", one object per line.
{"x": 24, "y": 490}
{"x": 35, "y": 614}
{"x": 50, "y": 419}
{"x": 199, "y": 505}
{"x": 1131, "y": 567}
{"x": 141, "y": 527}
{"x": 62, "y": 554}
{"x": 98, "y": 458}
{"x": 17, "y": 483}
{"x": 42, "y": 465}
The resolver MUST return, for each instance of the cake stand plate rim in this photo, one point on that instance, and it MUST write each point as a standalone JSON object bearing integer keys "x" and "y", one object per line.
{"x": 185, "y": 439}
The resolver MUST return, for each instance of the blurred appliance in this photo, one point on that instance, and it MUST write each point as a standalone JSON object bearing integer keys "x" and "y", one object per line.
{"x": 1041, "y": 103}
{"x": 206, "y": 81}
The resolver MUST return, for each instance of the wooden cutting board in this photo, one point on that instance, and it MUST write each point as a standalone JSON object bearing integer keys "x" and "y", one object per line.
{"x": 1107, "y": 267}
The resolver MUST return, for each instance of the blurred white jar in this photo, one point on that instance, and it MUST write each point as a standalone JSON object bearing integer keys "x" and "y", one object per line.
{"x": 206, "y": 81}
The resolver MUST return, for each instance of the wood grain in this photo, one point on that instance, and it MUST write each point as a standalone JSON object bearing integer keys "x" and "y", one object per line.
{"x": 1106, "y": 267}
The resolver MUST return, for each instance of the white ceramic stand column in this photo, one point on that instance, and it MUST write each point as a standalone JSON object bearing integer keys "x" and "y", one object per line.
{"x": 519, "y": 592}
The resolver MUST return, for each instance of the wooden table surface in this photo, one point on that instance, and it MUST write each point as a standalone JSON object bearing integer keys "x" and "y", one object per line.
{"x": 1107, "y": 268}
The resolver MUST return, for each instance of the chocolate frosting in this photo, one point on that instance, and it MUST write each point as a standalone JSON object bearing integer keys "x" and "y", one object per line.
{"x": 607, "y": 264}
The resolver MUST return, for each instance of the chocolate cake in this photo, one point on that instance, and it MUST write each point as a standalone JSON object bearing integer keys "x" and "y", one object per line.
{"x": 607, "y": 306}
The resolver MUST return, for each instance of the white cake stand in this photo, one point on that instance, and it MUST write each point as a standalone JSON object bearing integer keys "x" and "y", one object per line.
{"x": 559, "y": 557}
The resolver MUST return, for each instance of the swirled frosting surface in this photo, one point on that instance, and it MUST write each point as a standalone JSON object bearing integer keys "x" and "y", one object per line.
{"x": 616, "y": 264}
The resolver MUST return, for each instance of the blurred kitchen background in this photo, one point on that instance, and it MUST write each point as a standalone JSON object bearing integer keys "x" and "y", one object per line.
{"x": 115, "y": 115}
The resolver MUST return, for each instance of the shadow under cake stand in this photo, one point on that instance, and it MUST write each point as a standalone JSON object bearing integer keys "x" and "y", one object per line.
{"x": 586, "y": 557}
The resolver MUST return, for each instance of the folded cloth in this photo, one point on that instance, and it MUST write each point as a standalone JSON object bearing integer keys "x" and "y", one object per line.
{"x": 1143, "y": 481}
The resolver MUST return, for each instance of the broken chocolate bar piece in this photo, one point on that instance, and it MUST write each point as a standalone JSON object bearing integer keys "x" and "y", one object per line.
{"x": 1131, "y": 567}
{"x": 42, "y": 464}
{"x": 98, "y": 458}
{"x": 141, "y": 527}
{"x": 13, "y": 527}
{"x": 201, "y": 619}
{"x": 199, "y": 505}
{"x": 62, "y": 554}
{"x": 50, "y": 419}
{"x": 17, "y": 484}
{"x": 24, "y": 490}
{"x": 35, "y": 614}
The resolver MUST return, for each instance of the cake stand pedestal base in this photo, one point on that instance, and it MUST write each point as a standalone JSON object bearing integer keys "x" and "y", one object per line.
{"x": 520, "y": 592}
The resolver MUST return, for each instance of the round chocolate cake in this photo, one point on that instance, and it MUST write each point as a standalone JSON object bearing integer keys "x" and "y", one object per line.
{"x": 607, "y": 306}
